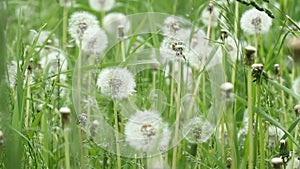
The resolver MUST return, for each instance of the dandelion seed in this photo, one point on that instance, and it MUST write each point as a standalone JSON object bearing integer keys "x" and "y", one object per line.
{"x": 102, "y": 5}
{"x": 296, "y": 86}
{"x": 79, "y": 22}
{"x": 212, "y": 12}
{"x": 254, "y": 21}
{"x": 198, "y": 130}
{"x": 117, "y": 83}
{"x": 94, "y": 41}
{"x": 112, "y": 21}
{"x": 145, "y": 131}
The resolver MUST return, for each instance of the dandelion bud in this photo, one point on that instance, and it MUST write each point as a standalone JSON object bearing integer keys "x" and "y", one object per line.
{"x": 121, "y": 31}
{"x": 227, "y": 91}
{"x": 224, "y": 34}
{"x": 250, "y": 54}
{"x": 30, "y": 65}
{"x": 276, "y": 162}
{"x": 210, "y": 7}
{"x": 228, "y": 162}
{"x": 297, "y": 110}
{"x": 258, "y": 72}
{"x": 40, "y": 107}
{"x": 65, "y": 114}
{"x": 1, "y": 139}
{"x": 284, "y": 152}
{"x": 276, "y": 69}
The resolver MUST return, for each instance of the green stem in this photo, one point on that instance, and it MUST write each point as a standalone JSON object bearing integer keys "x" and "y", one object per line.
{"x": 117, "y": 136}
{"x": 261, "y": 130}
{"x": 27, "y": 100}
{"x": 67, "y": 148}
{"x": 250, "y": 121}
{"x": 65, "y": 24}
{"x": 230, "y": 129}
{"x": 178, "y": 113}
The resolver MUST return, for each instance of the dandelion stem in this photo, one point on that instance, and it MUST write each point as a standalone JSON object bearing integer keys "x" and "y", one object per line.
{"x": 250, "y": 123}
{"x": 27, "y": 100}
{"x": 67, "y": 148}
{"x": 178, "y": 112}
{"x": 117, "y": 135}
{"x": 230, "y": 127}
{"x": 64, "y": 33}
{"x": 261, "y": 130}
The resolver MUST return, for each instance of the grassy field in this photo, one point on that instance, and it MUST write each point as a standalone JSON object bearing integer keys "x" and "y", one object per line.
{"x": 154, "y": 84}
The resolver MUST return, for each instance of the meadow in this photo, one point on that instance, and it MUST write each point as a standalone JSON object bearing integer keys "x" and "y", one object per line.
{"x": 152, "y": 84}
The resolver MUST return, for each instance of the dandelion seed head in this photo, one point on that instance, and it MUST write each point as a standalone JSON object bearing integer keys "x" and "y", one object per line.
{"x": 56, "y": 62}
{"x": 296, "y": 86}
{"x": 94, "y": 41}
{"x": 102, "y": 5}
{"x": 254, "y": 21}
{"x": 171, "y": 24}
{"x": 79, "y": 22}
{"x": 198, "y": 130}
{"x": 112, "y": 21}
{"x": 117, "y": 83}
{"x": 146, "y": 131}
{"x": 232, "y": 49}
{"x": 296, "y": 164}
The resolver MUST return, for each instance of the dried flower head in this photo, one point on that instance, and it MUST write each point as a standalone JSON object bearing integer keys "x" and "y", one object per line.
{"x": 254, "y": 21}
{"x": 112, "y": 21}
{"x": 227, "y": 92}
{"x": 228, "y": 162}
{"x": 79, "y": 22}
{"x": 276, "y": 69}
{"x": 117, "y": 83}
{"x": 102, "y": 5}
{"x": 65, "y": 114}
{"x": 250, "y": 55}
{"x": 276, "y": 162}
{"x": 94, "y": 41}
{"x": 146, "y": 131}
{"x": 224, "y": 34}
{"x": 293, "y": 43}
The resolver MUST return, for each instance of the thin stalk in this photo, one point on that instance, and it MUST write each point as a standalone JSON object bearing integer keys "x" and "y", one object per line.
{"x": 230, "y": 129}
{"x": 117, "y": 136}
{"x": 250, "y": 121}
{"x": 27, "y": 100}
{"x": 67, "y": 148}
{"x": 65, "y": 24}
{"x": 223, "y": 138}
{"x": 261, "y": 130}
{"x": 178, "y": 113}
{"x": 294, "y": 146}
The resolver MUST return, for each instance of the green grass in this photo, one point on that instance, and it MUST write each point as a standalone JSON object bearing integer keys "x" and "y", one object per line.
{"x": 34, "y": 136}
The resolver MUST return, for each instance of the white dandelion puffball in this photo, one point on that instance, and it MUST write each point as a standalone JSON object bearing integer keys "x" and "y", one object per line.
{"x": 102, "y": 5}
{"x": 117, "y": 83}
{"x": 214, "y": 17}
{"x": 198, "y": 130}
{"x": 145, "y": 131}
{"x": 296, "y": 163}
{"x": 254, "y": 21}
{"x": 79, "y": 22}
{"x": 94, "y": 41}
{"x": 56, "y": 62}
{"x": 112, "y": 22}
{"x": 275, "y": 134}
{"x": 296, "y": 86}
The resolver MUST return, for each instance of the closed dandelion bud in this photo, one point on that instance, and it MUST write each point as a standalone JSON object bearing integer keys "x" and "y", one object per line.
{"x": 276, "y": 162}
{"x": 65, "y": 115}
{"x": 121, "y": 31}
{"x": 258, "y": 72}
{"x": 1, "y": 139}
{"x": 210, "y": 7}
{"x": 276, "y": 69}
{"x": 284, "y": 152}
{"x": 224, "y": 34}
{"x": 227, "y": 92}
{"x": 297, "y": 110}
{"x": 228, "y": 162}
{"x": 250, "y": 55}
